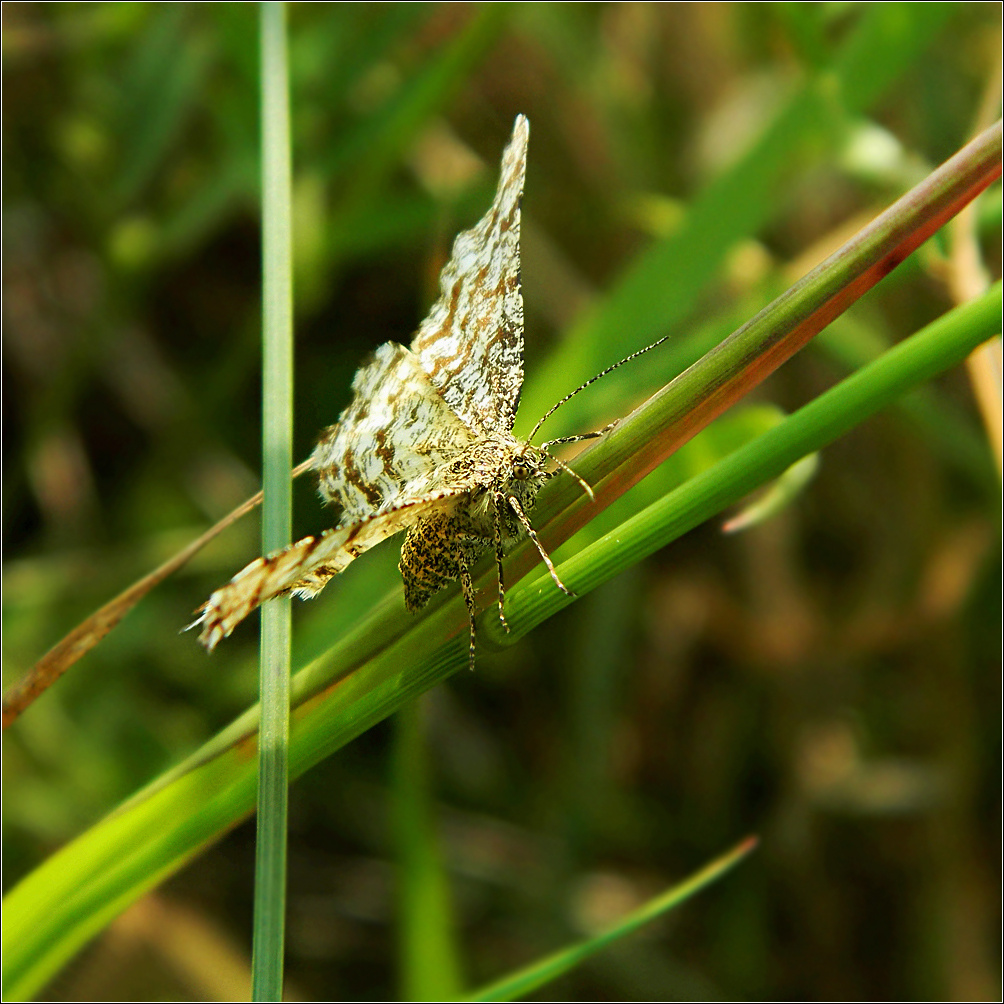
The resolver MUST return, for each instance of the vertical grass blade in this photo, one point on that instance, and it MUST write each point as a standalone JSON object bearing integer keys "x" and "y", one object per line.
{"x": 430, "y": 960}
{"x": 277, "y": 459}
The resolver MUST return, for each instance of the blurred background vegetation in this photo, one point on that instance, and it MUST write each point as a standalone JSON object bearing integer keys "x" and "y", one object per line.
{"x": 828, "y": 680}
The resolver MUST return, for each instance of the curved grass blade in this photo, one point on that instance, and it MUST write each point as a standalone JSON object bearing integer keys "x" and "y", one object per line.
{"x": 541, "y": 973}
{"x": 777, "y": 497}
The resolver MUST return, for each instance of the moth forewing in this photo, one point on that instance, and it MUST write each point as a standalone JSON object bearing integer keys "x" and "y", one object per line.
{"x": 427, "y": 435}
{"x": 426, "y": 445}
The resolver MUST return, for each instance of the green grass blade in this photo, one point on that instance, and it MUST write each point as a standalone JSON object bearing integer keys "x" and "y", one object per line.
{"x": 380, "y": 142}
{"x": 940, "y": 422}
{"x": 277, "y": 452}
{"x": 430, "y": 965}
{"x": 382, "y": 139}
{"x": 159, "y": 92}
{"x": 527, "y": 980}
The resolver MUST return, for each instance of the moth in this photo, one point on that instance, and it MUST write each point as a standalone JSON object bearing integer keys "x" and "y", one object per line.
{"x": 426, "y": 444}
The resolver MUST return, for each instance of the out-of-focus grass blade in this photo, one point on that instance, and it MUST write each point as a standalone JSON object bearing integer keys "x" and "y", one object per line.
{"x": 539, "y": 974}
{"x": 231, "y": 184}
{"x": 886, "y": 41}
{"x": 777, "y": 497}
{"x": 662, "y": 285}
{"x": 380, "y": 140}
{"x": 851, "y": 344}
{"x": 430, "y": 966}
{"x": 159, "y": 89}
{"x": 350, "y": 39}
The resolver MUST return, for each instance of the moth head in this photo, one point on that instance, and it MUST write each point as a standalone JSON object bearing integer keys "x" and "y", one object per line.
{"x": 525, "y": 467}
{"x": 531, "y": 460}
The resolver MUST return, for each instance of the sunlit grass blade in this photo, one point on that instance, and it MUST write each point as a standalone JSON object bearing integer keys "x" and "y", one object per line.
{"x": 277, "y": 453}
{"x": 777, "y": 497}
{"x": 539, "y": 974}
{"x": 940, "y": 422}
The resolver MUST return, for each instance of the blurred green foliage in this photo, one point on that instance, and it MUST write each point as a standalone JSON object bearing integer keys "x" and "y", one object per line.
{"x": 825, "y": 679}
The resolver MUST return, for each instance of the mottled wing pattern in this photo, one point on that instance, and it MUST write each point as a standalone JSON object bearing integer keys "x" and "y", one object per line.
{"x": 395, "y": 457}
{"x": 306, "y": 566}
{"x": 471, "y": 344}
{"x": 388, "y": 443}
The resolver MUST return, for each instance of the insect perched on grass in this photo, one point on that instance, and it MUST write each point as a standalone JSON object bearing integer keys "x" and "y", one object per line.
{"x": 426, "y": 444}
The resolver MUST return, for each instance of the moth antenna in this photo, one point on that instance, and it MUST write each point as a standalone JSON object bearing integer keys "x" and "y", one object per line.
{"x": 581, "y": 436}
{"x": 586, "y": 487}
{"x": 593, "y": 379}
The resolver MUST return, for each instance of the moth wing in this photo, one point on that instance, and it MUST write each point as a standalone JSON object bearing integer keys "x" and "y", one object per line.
{"x": 471, "y": 344}
{"x": 305, "y": 567}
{"x": 390, "y": 441}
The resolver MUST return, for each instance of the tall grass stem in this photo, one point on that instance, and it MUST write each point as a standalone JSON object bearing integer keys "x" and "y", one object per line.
{"x": 277, "y": 459}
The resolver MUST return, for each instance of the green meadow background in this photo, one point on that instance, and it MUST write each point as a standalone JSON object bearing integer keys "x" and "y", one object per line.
{"x": 828, "y": 680}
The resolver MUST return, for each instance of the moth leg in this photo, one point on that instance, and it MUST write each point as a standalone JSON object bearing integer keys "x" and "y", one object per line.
{"x": 586, "y": 487}
{"x": 532, "y": 534}
{"x": 579, "y": 438}
{"x": 467, "y": 588}
{"x": 499, "y": 556}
